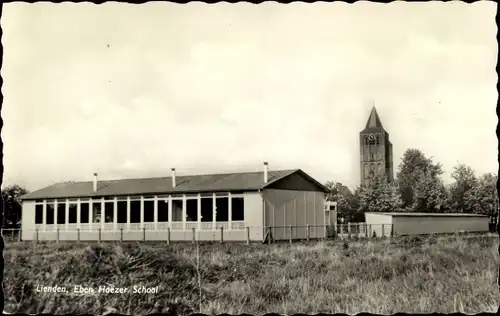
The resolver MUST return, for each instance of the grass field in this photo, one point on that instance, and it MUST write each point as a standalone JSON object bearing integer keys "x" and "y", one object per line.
{"x": 406, "y": 275}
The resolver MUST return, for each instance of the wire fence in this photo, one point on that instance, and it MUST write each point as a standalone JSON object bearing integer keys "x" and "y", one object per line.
{"x": 220, "y": 235}
{"x": 194, "y": 234}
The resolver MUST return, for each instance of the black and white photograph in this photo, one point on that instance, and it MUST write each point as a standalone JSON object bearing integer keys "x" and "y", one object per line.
{"x": 250, "y": 158}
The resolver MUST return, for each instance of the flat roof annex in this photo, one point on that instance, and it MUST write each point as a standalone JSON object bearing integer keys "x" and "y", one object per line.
{"x": 402, "y": 214}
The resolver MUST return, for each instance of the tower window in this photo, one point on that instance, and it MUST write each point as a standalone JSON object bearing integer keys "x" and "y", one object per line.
{"x": 371, "y": 139}
{"x": 366, "y": 140}
{"x": 378, "y": 140}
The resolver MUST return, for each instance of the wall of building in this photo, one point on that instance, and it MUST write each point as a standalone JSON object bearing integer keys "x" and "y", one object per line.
{"x": 139, "y": 235}
{"x": 285, "y": 208}
{"x": 28, "y": 220}
{"x": 253, "y": 218}
{"x": 254, "y": 215}
{"x": 437, "y": 225}
{"x": 381, "y": 224}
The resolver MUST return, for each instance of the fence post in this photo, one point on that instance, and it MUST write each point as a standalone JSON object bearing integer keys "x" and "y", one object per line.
{"x": 358, "y": 225}
{"x": 383, "y": 231}
{"x": 222, "y": 234}
{"x": 36, "y": 238}
{"x": 78, "y": 235}
{"x": 57, "y": 235}
{"x": 99, "y": 235}
{"x": 349, "y": 230}
{"x": 269, "y": 230}
{"x": 121, "y": 234}
{"x": 369, "y": 232}
{"x": 19, "y": 235}
{"x": 194, "y": 235}
{"x": 308, "y": 232}
{"x": 144, "y": 234}
{"x": 248, "y": 235}
{"x": 392, "y": 230}
{"x": 168, "y": 235}
{"x": 291, "y": 233}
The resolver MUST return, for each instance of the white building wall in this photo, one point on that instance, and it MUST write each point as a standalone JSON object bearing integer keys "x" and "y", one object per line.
{"x": 254, "y": 215}
{"x": 28, "y": 220}
{"x": 381, "y": 224}
{"x": 414, "y": 225}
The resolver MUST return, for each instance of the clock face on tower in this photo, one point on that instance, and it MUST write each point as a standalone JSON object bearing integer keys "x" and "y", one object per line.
{"x": 371, "y": 139}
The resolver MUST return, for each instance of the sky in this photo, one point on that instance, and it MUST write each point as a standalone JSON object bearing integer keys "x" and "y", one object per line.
{"x": 134, "y": 90}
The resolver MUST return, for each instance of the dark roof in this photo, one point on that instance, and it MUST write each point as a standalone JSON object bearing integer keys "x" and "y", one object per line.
{"x": 374, "y": 124}
{"x": 247, "y": 181}
{"x": 402, "y": 214}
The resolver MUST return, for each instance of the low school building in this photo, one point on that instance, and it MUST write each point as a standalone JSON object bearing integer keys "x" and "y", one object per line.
{"x": 232, "y": 206}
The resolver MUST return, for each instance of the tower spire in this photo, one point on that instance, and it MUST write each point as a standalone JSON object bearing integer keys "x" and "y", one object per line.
{"x": 374, "y": 119}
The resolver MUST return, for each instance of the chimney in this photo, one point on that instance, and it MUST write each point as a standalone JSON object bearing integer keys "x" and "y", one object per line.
{"x": 95, "y": 182}
{"x": 173, "y": 177}
{"x": 265, "y": 171}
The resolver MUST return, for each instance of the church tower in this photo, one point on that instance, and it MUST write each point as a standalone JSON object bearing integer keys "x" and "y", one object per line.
{"x": 375, "y": 149}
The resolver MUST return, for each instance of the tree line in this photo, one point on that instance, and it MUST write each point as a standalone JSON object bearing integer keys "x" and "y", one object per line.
{"x": 418, "y": 187}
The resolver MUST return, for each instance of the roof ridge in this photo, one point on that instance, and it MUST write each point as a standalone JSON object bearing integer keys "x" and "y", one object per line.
{"x": 183, "y": 175}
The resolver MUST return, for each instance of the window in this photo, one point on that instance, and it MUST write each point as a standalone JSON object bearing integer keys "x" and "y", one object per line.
{"x": 50, "y": 213}
{"x": 222, "y": 209}
{"x": 135, "y": 211}
{"x": 61, "y": 213}
{"x": 176, "y": 211}
{"x": 39, "y": 214}
{"x": 207, "y": 209}
{"x": 72, "y": 214}
{"x": 378, "y": 140}
{"x": 149, "y": 211}
{"x": 372, "y": 169}
{"x": 84, "y": 213}
{"x": 109, "y": 212}
{"x": 96, "y": 211}
{"x": 191, "y": 210}
{"x": 163, "y": 210}
{"x": 237, "y": 209}
{"x": 121, "y": 212}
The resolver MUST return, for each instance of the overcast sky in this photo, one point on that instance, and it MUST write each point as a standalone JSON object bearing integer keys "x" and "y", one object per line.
{"x": 134, "y": 90}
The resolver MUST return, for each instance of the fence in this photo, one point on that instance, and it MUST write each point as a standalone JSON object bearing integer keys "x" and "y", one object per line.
{"x": 221, "y": 234}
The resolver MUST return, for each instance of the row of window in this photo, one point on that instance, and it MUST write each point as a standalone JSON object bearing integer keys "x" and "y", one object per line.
{"x": 58, "y": 216}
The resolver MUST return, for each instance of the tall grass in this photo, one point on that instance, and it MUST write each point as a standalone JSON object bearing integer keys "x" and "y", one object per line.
{"x": 407, "y": 275}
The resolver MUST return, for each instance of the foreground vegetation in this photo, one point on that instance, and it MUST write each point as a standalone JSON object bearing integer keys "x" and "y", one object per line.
{"x": 406, "y": 275}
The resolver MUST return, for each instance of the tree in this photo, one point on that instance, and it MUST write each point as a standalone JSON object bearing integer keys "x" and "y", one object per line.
{"x": 12, "y": 204}
{"x": 416, "y": 174}
{"x": 379, "y": 196}
{"x": 465, "y": 180}
{"x": 338, "y": 193}
{"x": 483, "y": 197}
{"x": 347, "y": 202}
{"x": 429, "y": 195}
